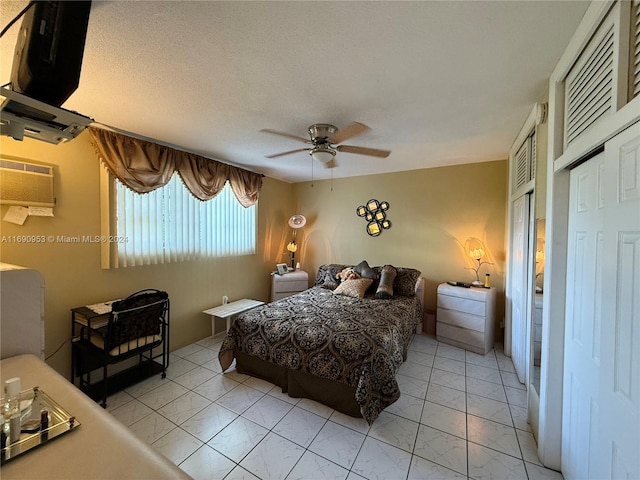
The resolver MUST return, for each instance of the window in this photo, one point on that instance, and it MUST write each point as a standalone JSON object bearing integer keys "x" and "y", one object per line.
{"x": 170, "y": 225}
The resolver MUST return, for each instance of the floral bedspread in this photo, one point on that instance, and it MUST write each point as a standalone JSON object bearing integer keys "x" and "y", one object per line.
{"x": 360, "y": 342}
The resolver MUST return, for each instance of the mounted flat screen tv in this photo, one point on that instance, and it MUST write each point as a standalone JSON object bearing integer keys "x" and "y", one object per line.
{"x": 48, "y": 54}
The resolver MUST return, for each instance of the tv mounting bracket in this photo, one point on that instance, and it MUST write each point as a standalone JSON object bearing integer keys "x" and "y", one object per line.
{"x": 22, "y": 116}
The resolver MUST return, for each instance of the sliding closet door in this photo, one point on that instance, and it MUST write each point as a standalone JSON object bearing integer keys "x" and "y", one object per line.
{"x": 519, "y": 285}
{"x": 601, "y": 405}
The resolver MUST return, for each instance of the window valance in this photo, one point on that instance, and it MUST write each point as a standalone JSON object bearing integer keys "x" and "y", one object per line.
{"x": 144, "y": 166}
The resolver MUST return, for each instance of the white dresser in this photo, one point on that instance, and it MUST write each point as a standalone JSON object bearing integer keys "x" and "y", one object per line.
{"x": 285, "y": 285}
{"x": 466, "y": 317}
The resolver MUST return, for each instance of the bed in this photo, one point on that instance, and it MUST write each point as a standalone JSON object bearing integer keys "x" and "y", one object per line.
{"x": 341, "y": 350}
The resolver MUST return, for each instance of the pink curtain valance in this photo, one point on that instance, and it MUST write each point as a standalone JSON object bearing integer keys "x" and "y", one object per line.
{"x": 144, "y": 166}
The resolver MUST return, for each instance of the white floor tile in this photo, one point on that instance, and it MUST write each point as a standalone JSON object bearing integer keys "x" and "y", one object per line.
{"x": 318, "y": 468}
{"x": 131, "y": 412}
{"x": 207, "y": 464}
{"x": 194, "y": 377}
{"x": 484, "y": 373}
{"x": 177, "y": 445}
{"x": 208, "y": 422}
{"x": 455, "y": 417}
{"x": 299, "y": 426}
{"x": 489, "y": 409}
{"x": 493, "y": 435}
{"x": 494, "y": 391}
{"x": 216, "y": 387}
{"x": 184, "y": 407}
{"x": 415, "y": 370}
{"x": 442, "y": 448}
{"x": 240, "y": 473}
{"x": 394, "y": 430}
{"x": 338, "y": 444}
{"x": 267, "y": 411}
{"x": 407, "y": 407}
{"x": 379, "y": 461}
{"x": 451, "y": 352}
{"x": 485, "y": 463}
{"x": 449, "y": 365}
{"x": 537, "y": 472}
{"x": 238, "y": 438}
{"x": 273, "y": 458}
{"x": 444, "y": 418}
{"x": 152, "y": 427}
{"x": 448, "y": 379}
{"x": 240, "y": 398}
{"x": 160, "y": 396}
{"x": 449, "y": 397}
{"x": 422, "y": 469}
{"x": 412, "y": 386}
{"x": 421, "y": 358}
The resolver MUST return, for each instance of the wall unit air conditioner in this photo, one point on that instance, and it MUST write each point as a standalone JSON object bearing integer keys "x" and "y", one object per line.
{"x": 26, "y": 184}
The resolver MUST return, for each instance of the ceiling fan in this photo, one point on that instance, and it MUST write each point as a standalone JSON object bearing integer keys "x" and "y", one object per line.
{"x": 323, "y": 137}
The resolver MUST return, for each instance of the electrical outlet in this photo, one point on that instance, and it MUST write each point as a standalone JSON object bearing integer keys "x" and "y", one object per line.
{"x": 225, "y": 299}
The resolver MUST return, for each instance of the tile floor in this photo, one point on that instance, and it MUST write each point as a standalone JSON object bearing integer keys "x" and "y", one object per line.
{"x": 461, "y": 415}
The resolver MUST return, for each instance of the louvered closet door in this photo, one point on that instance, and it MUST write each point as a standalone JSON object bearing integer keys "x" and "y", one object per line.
{"x": 590, "y": 85}
{"x": 634, "y": 70}
{"x": 601, "y": 391}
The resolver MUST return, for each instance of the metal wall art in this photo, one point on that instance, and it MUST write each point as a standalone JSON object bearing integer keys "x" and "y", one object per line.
{"x": 375, "y": 213}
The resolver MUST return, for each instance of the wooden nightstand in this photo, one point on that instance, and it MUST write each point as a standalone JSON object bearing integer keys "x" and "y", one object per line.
{"x": 466, "y": 317}
{"x": 286, "y": 285}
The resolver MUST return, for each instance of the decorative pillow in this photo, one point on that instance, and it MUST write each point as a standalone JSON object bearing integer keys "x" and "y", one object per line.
{"x": 385, "y": 287}
{"x": 353, "y": 288}
{"x": 365, "y": 271}
{"x": 326, "y": 276}
{"x": 405, "y": 282}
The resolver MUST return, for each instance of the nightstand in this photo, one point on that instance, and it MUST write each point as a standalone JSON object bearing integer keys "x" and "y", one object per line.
{"x": 466, "y": 317}
{"x": 286, "y": 285}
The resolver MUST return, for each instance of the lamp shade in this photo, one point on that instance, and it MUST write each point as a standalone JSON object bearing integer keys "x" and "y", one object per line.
{"x": 323, "y": 154}
{"x": 475, "y": 248}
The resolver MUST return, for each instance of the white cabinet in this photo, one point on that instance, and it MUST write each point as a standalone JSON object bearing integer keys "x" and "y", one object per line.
{"x": 288, "y": 284}
{"x": 466, "y": 317}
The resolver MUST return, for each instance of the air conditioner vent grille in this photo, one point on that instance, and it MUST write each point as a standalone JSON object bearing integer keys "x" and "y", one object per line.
{"x": 26, "y": 184}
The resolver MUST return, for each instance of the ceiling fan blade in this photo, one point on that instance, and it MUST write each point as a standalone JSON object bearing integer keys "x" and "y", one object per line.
{"x": 372, "y": 152}
{"x": 331, "y": 164}
{"x": 276, "y": 155}
{"x": 349, "y": 131}
{"x": 288, "y": 135}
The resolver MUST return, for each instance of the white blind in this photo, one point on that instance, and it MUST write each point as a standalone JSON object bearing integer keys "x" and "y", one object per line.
{"x": 170, "y": 225}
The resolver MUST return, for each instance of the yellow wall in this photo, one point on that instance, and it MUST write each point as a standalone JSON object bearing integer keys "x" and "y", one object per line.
{"x": 72, "y": 272}
{"x": 433, "y": 212}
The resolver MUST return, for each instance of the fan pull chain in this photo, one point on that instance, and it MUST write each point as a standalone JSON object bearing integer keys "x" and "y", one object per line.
{"x": 311, "y": 172}
{"x": 332, "y": 179}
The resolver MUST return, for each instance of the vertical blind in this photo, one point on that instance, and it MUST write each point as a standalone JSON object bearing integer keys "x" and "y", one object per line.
{"x": 170, "y": 225}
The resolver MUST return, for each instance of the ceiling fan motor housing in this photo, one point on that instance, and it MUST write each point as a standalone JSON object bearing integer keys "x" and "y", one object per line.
{"x": 320, "y": 132}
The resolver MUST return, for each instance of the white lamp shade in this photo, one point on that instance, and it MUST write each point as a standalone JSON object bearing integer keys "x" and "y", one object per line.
{"x": 324, "y": 156}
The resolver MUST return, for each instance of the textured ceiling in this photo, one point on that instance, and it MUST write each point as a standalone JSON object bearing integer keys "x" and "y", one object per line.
{"x": 438, "y": 82}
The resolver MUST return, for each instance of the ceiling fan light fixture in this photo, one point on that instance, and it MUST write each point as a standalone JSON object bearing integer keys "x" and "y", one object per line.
{"x": 323, "y": 153}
